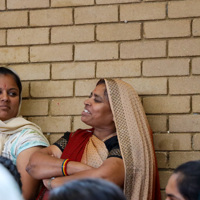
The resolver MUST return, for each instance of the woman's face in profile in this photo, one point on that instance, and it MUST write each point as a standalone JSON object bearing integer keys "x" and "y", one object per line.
{"x": 172, "y": 192}
{"x": 97, "y": 112}
{"x": 9, "y": 97}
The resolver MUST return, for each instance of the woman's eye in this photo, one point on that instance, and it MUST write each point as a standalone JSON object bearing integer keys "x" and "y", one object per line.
{"x": 97, "y": 100}
{"x": 12, "y": 94}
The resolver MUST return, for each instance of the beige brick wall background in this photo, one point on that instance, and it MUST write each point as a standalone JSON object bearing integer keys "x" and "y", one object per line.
{"x": 60, "y": 48}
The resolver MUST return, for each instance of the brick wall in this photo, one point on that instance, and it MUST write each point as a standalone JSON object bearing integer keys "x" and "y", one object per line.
{"x": 60, "y": 48}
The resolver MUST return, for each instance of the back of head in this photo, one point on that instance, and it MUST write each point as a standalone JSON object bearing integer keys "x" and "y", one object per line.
{"x": 8, "y": 164}
{"x": 87, "y": 189}
{"x": 188, "y": 180}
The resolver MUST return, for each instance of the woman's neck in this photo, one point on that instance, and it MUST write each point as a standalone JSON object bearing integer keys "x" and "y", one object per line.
{"x": 104, "y": 134}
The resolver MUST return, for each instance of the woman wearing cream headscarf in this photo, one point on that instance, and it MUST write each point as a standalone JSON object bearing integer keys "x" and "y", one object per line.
{"x": 118, "y": 148}
{"x": 19, "y": 138}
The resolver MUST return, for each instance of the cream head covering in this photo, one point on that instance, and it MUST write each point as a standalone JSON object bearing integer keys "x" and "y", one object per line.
{"x": 135, "y": 141}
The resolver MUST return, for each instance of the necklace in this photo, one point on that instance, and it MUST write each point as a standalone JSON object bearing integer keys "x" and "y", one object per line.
{"x": 109, "y": 136}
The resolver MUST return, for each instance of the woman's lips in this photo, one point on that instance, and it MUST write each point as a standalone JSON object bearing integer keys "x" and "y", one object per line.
{"x": 4, "y": 107}
{"x": 85, "y": 112}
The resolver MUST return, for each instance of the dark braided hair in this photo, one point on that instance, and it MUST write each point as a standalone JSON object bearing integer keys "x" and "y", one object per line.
{"x": 8, "y": 164}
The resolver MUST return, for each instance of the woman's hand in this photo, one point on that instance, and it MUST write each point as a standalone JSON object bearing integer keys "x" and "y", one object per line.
{"x": 47, "y": 183}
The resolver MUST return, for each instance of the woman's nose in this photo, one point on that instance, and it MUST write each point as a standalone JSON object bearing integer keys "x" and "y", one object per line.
{"x": 87, "y": 102}
{"x": 4, "y": 96}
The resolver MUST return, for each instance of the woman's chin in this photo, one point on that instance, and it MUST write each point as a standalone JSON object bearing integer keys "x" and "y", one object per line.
{"x": 83, "y": 119}
{"x": 4, "y": 117}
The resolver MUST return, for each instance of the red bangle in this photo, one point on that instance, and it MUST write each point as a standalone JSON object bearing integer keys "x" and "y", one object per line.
{"x": 64, "y": 167}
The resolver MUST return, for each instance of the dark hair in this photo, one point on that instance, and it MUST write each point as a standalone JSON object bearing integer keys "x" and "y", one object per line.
{"x": 87, "y": 189}
{"x": 6, "y": 71}
{"x": 188, "y": 181}
{"x": 8, "y": 164}
{"x": 101, "y": 82}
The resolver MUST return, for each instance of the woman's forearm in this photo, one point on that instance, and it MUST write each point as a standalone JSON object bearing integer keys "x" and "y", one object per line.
{"x": 112, "y": 170}
{"x": 75, "y": 167}
{"x": 42, "y": 165}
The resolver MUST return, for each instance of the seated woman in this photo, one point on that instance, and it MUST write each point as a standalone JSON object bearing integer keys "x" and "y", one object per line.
{"x": 19, "y": 138}
{"x": 118, "y": 148}
{"x": 184, "y": 183}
